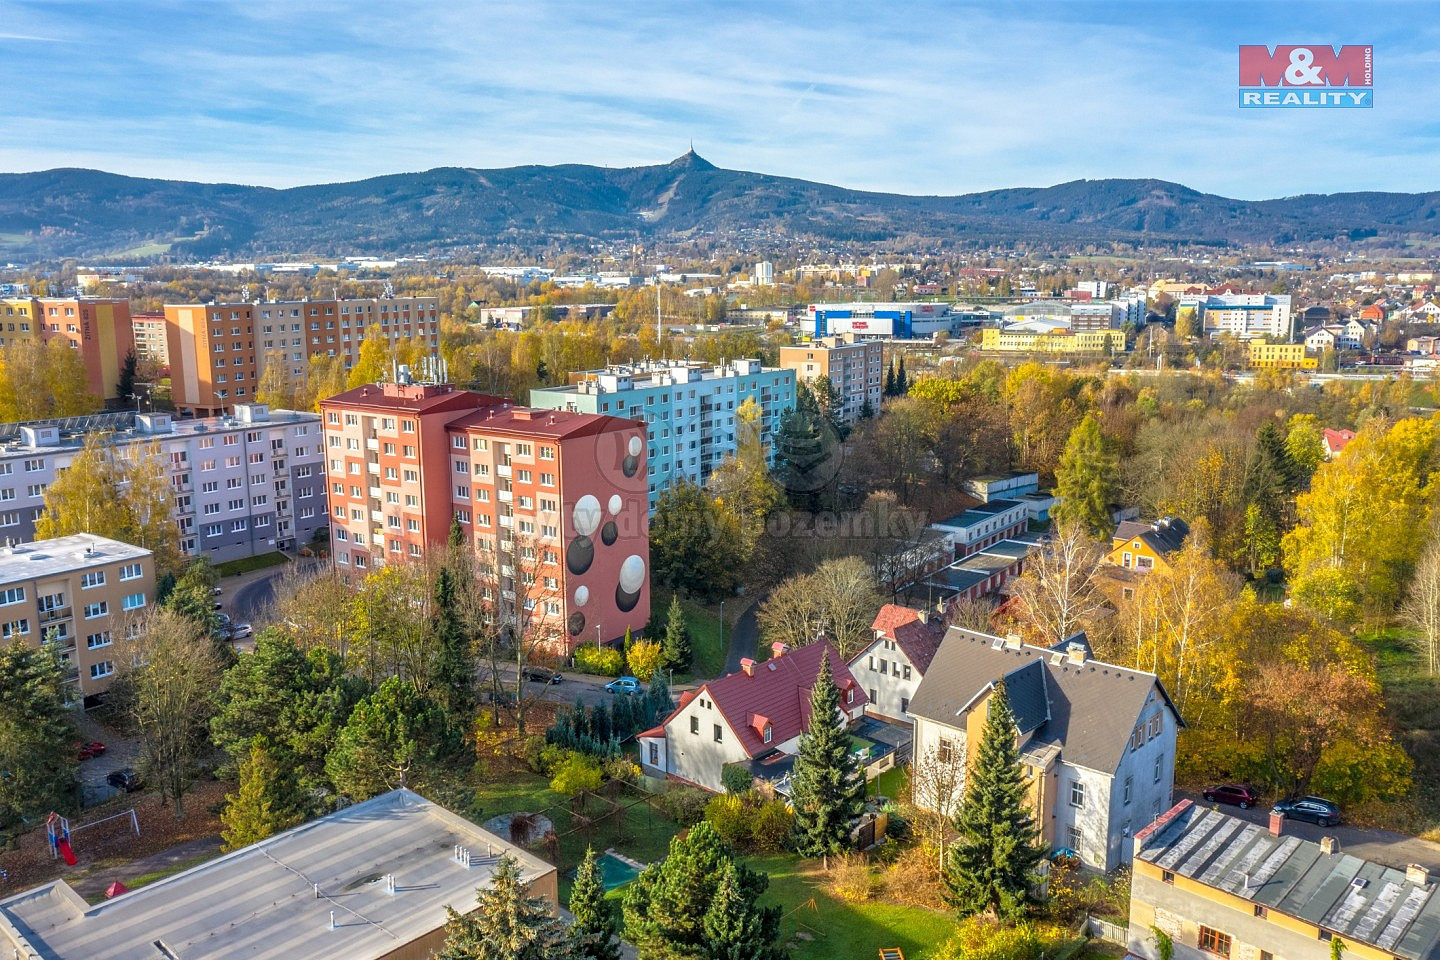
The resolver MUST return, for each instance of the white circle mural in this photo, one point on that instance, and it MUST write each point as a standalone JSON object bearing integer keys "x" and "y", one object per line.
{"x": 615, "y": 504}
{"x": 587, "y": 515}
{"x": 582, "y": 596}
{"x": 635, "y": 446}
{"x": 632, "y": 574}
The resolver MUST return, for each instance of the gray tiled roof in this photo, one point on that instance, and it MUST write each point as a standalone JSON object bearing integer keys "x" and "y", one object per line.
{"x": 1091, "y": 708}
{"x": 1355, "y": 899}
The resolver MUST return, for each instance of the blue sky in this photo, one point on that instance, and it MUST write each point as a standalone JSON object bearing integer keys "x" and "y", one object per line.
{"x": 907, "y": 97}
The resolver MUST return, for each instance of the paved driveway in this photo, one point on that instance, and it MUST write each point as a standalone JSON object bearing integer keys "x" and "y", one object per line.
{"x": 1382, "y": 846}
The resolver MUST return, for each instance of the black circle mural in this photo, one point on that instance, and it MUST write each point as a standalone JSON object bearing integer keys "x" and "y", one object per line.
{"x": 608, "y": 533}
{"x": 626, "y": 601}
{"x": 629, "y": 465}
{"x": 579, "y": 555}
{"x": 575, "y": 623}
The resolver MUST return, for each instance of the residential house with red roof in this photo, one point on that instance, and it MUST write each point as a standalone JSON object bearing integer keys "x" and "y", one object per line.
{"x": 1335, "y": 441}
{"x": 753, "y": 717}
{"x": 890, "y": 668}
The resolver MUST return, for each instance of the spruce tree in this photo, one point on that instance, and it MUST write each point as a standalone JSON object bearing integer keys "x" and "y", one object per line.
{"x": 889, "y": 389}
{"x": 666, "y": 907}
{"x": 266, "y": 802}
{"x": 827, "y": 788}
{"x": 507, "y": 924}
{"x": 595, "y": 934}
{"x": 452, "y": 671}
{"x": 902, "y": 382}
{"x": 125, "y": 387}
{"x": 676, "y": 645}
{"x": 661, "y": 702}
{"x": 37, "y": 738}
{"x": 992, "y": 864}
{"x": 734, "y": 929}
{"x": 1086, "y": 480}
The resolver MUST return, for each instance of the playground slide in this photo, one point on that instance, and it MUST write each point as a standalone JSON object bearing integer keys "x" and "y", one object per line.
{"x": 63, "y": 845}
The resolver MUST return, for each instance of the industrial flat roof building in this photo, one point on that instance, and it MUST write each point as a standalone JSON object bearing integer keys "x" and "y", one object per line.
{"x": 370, "y": 882}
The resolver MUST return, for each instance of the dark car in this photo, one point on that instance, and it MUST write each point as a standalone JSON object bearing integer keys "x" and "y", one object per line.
{"x": 1241, "y": 796}
{"x": 541, "y": 675}
{"x": 87, "y": 751}
{"x": 126, "y": 779}
{"x": 1313, "y": 809}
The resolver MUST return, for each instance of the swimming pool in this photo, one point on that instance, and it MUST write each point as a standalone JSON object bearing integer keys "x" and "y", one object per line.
{"x": 614, "y": 871}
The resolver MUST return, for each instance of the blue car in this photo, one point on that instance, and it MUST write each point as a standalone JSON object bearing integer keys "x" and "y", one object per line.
{"x": 623, "y": 685}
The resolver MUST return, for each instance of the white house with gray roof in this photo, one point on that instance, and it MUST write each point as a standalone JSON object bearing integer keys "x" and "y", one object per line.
{"x": 1097, "y": 741}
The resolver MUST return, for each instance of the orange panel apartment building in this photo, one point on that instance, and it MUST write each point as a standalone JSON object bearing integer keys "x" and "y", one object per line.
{"x": 856, "y": 369}
{"x": 218, "y": 351}
{"x": 555, "y": 504}
{"x": 98, "y": 329}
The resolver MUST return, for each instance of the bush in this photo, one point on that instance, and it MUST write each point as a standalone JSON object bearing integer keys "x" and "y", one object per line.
{"x": 729, "y": 814}
{"x": 913, "y": 879}
{"x": 770, "y": 828}
{"x": 980, "y": 938}
{"x": 533, "y": 753}
{"x": 645, "y": 658}
{"x": 852, "y": 879}
{"x": 736, "y": 779}
{"x": 685, "y": 805}
{"x": 600, "y": 661}
{"x": 622, "y": 770}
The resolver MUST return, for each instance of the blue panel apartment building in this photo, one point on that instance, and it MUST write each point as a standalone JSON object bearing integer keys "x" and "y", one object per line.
{"x": 688, "y": 409}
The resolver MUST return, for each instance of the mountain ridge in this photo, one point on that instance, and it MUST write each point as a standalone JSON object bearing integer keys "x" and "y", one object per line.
{"x": 73, "y": 211}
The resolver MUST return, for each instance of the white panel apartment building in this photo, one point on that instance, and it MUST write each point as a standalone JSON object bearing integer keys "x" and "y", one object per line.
{"x": 1243, "y": 315}
{"x": 688, "y": 409}
{"x": 244, "y": 485}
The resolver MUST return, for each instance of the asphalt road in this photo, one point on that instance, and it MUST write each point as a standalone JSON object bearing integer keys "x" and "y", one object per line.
{"x": 1382, "y": 846}
{"x": 591, "y": 690}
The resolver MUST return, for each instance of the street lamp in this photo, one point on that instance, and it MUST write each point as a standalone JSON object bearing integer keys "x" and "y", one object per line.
{"x": 597, "y": 636}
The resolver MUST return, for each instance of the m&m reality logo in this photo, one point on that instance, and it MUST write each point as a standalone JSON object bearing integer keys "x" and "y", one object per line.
{"x": 1314, "y": 75}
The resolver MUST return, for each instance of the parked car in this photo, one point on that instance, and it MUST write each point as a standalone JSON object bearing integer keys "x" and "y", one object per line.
{"x": 1241, "y": 796}
{"x": 240, "y": 631}
{"x": 623, "y": 685}
{"x": 541, "y": 675}
{"x": 218, "y": 591}
{"x": 1318, "y": 810}
{"x": 224, "y": 619}
{"x": 126, "y": 779}
{"x": 87, "y": 751}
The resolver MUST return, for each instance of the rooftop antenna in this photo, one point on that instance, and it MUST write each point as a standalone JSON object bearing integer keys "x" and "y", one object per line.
{"x": 244, "y": 293}
{"x": 389, "y": 290}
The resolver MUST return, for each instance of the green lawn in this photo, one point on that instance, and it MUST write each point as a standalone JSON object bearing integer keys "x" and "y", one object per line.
{"x": 844, "y": 931}
{"x": 890, "y": 784}
{"x": 153, "y": 249}
{"x": 232, "y": 568}
{"x": 1413, "y": 700}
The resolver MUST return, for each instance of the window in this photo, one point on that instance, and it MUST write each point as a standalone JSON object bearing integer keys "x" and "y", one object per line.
{"x": 134, "y": 601}
{"x": 1159, "y": 766}
{"x": 1213, "y": 941}
{"x": 1167, "y": 877}
{"x": 946, "y": 751}
{"x": 1077, "y": 793}
{"x": 102, "y": 669}
{"x": 96, "y": 640}
{"x": 95, "y": 579}
{"x": 695, "y": 725}
{"x": 850, "y": 695}
{"x": 904, "y": 704}
{"x": 1261, "y": 912}
{"x": 1129, "y": 789}
{"x": 15, "y": 628}
{"x": 767, "y": 733}
{"x": 719, "y": 733}
{"x": 93, "y": 610}
{"x": 1074, "y": 837}
{"x": 907, "y": 672}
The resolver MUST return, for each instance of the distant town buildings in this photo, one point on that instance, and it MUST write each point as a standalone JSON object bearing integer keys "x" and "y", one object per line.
{"x": 875, "y": 320}
{"x": 1039, "y": 336}
{"x": 244, "y": 484}
{"x": 370, "y": 882}
{"x": 218, "y": 351}
{"x": 856, "y": 369}
{"x": 552, "y": 501}
{"x": 78, "y": 593}
{"x": 1280, "y": 356}
{"x": 1241, "y": 315}
{"x": 764, "y": 274}
{"x": 688, "y": 409}
{"x": 97, "y": 329}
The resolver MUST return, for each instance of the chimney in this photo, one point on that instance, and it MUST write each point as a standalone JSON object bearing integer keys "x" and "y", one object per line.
{"x": 922, "y": 615}
{"x": 747, "y": 665}
{"x": 1417, "y": 874}
{"x": 1277, "y": 823}
{"x": 1075, "y": 652}
{"x": 1328, "y": 845}
{"x": 778, "y": 649}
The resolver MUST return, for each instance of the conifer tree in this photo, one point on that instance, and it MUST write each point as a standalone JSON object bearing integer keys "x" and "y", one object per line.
{"x": 125, "y": 387}
{"x": 595, "y": 932}
{"x": 37, "y": 738}
{"x": 827, "y": 789}
{"x": 507, "y": 924}
{"x": 1085, "y": 480}
{"x": 889, "y": 390}
{"x": 902, "y": 382}
{"x": 266, "y": 802}
{"x": 452, "y": 671}
{"x": 666, "y": 907}
{"x": 992, "y": 863}
{"x": 676, "y": 646}
{"x": 661, "y": 702}
{"x": 734, "y": 930}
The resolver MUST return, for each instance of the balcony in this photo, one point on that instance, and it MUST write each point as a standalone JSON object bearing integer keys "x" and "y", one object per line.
{"x": 373, "y": 468}
{"x": 507, "y": 522}
{"x": 55, "y": 615}
{"x": 372, "y": 444}
{"x": 505, "y": 496}
{"x": 502, "y": 470}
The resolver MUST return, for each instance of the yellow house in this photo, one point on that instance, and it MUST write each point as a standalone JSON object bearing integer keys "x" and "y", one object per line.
{"x": 1280, "y": 356}
{"x": 1053, "y": 341}
{"x": 1143, "y": 547}
{"x": 1210, "y": 885}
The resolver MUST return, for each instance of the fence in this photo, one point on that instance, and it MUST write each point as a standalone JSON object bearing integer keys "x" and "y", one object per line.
{"x": 1107, "y": 931}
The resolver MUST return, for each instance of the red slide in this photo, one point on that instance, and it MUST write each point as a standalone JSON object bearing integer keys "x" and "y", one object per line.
{"x": 63, "y": 846}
